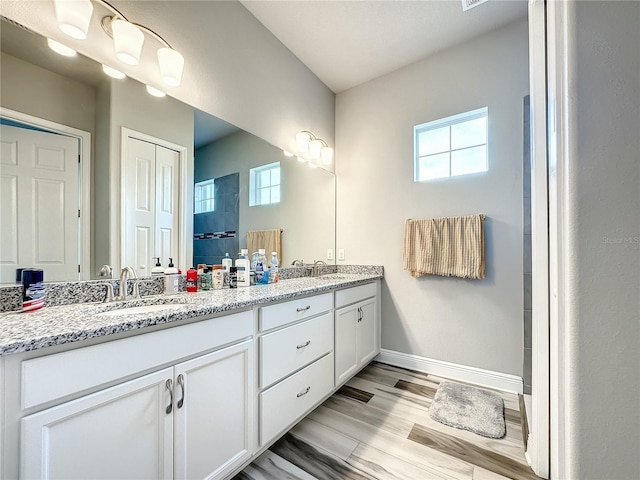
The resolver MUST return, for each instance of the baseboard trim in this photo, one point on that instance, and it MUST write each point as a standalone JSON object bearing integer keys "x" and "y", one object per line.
{"x": 478, "y": 376}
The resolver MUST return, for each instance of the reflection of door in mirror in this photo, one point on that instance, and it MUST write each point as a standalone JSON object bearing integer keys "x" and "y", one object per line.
{"x": 151, "y": 186}
{"x": 39, "y": 211}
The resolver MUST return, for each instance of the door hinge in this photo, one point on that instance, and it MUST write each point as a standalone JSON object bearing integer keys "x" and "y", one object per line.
{"x": 79, "y": 158}
{"x": 78, "y": 268}
{"x": 78, "y": 213}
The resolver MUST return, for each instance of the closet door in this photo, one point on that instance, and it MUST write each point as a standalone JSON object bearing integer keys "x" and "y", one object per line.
{"x": 151, "y": 183}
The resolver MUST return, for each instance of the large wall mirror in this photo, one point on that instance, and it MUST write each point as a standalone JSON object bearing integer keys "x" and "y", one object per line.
{"x": 227, "y": 165}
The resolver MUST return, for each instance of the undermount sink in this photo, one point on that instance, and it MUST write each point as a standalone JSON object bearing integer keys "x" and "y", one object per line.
{"x": 142, "y": 309}
{"x": 143, "y": 305}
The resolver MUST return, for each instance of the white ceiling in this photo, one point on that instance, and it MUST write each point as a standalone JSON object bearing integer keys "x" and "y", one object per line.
{"x": 346, "y": 43}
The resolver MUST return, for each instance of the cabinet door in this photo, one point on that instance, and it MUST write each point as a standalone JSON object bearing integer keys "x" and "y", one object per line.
{"x": 345, "y": 343}
{"x": 121, "y": 432}
{"x": 213, "y": 417}
{"x": 367, "y": 332}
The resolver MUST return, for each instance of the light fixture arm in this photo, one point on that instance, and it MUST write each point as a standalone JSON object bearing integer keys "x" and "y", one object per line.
{"x": 106, "y": 23}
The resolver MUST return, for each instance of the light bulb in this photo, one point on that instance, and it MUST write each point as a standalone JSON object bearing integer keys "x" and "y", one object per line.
{"x": 60, "y": 48}
{"x": 155, "y": 92}
{"x": 112, "y": 72}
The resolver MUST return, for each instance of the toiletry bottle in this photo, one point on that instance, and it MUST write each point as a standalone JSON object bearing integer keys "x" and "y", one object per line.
{"x": 157, "y": 270}
{"x": 273, "y": 272}
{"x": 192, "y": 280}
{"x": 33, "y": 290}
{"x": 243, "y": 266}
{"x": 226, "y": 262}
{"x": 262, "y": 270}
{"x": 233, "y": 277}
{"x": 171, "y": 278}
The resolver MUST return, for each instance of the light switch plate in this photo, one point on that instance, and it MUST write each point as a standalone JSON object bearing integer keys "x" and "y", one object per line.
{"x": 329, "y": 253}
{"x": 341, "y": 254}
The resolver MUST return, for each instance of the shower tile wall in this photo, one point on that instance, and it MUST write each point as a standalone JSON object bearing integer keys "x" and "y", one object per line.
{"x": 526, "y": 203}
{"x": 226, "y": 217}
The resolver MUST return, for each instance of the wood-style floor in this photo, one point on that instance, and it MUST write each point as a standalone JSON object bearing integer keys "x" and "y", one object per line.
{"x": 378, "y": 427}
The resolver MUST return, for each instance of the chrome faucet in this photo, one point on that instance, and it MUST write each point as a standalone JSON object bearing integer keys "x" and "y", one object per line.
{"x": 315, "y": 271}
{"x": 125, "y": 275}
{"x": 298, "y": 263}
{"x": 105, "y": 271}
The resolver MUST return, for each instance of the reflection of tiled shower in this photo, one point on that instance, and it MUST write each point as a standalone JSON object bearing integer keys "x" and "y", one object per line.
{"x": 526, "y": 203}
{"x": 224, "y": 218}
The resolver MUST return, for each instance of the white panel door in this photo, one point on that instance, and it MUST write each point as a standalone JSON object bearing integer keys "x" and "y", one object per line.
{"x": 123, "y": 432}
{"x": 213, "y": 412}
{"x": 38, "y": 203}
{"x": 139, "y": 205}
{"x": 167, "y": 215}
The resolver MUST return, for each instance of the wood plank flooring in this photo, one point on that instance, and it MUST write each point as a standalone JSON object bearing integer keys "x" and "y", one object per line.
{"x": 377, "y": 427}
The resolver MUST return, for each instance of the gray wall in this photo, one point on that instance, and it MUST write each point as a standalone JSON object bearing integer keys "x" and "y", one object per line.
{"x": 601, "y": 315}
{"x": 469, "y": 322}
{"x": 306, "y": 212}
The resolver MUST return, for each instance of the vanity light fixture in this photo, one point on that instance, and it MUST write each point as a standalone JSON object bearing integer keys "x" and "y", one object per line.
{"x": 155, "y": 92}
{"x": 317, "y": 148}
{"x": 74, "y": 18}
{"x": 60, "y": 48}
{"x": 112, "y": 72}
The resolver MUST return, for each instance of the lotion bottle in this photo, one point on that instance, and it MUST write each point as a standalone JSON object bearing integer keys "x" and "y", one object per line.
{"x": 243, "y": 266}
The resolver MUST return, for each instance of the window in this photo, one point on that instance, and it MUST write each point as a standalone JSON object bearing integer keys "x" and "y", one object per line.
{"x": 264, "y": 184}
{"x": 203, "y": 195}
{"x": 451, "y": 146}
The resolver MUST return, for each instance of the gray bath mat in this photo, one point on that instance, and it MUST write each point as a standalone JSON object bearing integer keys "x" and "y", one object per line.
{"x": 469, "y": 408}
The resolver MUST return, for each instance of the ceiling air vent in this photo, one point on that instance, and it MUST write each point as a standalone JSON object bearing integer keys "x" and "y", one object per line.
{"x": 467, "y": 4}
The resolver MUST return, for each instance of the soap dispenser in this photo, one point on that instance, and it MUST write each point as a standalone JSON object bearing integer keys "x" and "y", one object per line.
{"x": 157, "y": 270}
{"x": 171, "y": 278}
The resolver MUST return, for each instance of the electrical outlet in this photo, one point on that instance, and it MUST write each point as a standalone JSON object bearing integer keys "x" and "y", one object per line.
{"x": 329, "y": 253}
{"x": 341, "y": 254}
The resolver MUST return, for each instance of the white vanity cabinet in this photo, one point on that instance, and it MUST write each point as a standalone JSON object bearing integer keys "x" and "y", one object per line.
{"x": 357, "y": 329}
{"x": 296, "y": 361}
{"x": 192, "y": 419}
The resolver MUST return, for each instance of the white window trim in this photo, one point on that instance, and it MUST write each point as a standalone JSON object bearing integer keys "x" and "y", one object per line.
{"x": 448, "y": 122}
{"x": 253, "y": 173}
{"x": 198, "y": 186}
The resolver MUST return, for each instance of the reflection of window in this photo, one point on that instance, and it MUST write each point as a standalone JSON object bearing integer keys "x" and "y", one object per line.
{"x": 203, "y": 195}
{"x": 451, "y": 146}
{"x": 264, "y": 184}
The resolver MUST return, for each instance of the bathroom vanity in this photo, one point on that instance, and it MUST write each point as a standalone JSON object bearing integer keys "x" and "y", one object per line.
{"x": 196, "y": 388}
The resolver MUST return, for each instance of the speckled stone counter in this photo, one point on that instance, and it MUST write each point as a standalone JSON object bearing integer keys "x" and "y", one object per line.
{"x": 21, "y": 332}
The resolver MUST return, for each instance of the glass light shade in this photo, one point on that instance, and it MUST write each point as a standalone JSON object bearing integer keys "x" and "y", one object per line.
{"x": 302, "y": 141}
{"x": 301, "y": 160}
{"x": 171, "y": 64}
{"x": 128, "y": 40}
{"x": 327, "y": 155}
{"x": 60, "y": 48}
{"x": 155, "y": 92}
{"x": 112, "y": 72}
{"x": 314, "y": 148}
{"x": 74, "y": 17}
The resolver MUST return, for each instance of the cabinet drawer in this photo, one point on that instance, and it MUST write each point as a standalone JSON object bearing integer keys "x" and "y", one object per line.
{"x": 285, "y": 351}
{"x": 55, "y": 376}
{"x": 355, "y": 294}
{"x": 295, "y": 396}
{"x": 282, "y": 313}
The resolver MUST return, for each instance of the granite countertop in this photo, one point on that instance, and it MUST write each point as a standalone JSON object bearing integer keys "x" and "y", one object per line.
{"x": 21, "y": 332}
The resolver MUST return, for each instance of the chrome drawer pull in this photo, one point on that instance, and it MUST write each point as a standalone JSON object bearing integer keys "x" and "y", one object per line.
{"x": 169, "y": 385}
{"x": 303, "y": 309}
{"x": 304, "y": 345}
{"x": 301, "y": 394}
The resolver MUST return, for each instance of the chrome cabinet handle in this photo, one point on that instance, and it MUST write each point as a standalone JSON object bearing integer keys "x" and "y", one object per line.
{"x": 359, "y": 314}
{"x": 169, "y": 386}
{"x": 306, "y": 344}
{"x": 302, "y": 394}
{"x": 181, "y": 383}
{"x": 303, "y": 309}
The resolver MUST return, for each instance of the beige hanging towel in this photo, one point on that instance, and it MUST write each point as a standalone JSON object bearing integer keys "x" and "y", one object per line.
{"x": 270, "y": 240}
{"x": 450, "y": 246}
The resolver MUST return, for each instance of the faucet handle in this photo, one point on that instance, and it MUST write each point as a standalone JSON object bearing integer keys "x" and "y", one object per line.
{"x": 136, "y": 287}
{"x": 109, "y": 295}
